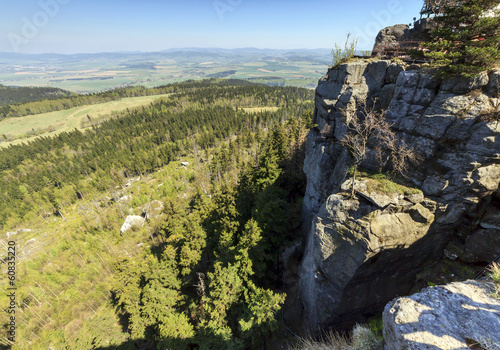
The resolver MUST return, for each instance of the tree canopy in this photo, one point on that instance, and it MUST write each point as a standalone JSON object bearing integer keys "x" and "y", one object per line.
{"x": 467, "y": 38}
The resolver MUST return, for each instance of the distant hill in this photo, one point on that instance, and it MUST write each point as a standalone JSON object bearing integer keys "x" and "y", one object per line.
{"x": 15, "y": 95}
{"x": 246, "y": 53}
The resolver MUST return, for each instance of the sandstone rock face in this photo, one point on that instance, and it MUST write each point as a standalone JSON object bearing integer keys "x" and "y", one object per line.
{"x": 361, "y": 252}
{"x": 350, "y": 239}
{"x": 444, "y": 317}
{"x": 482, "y": 246}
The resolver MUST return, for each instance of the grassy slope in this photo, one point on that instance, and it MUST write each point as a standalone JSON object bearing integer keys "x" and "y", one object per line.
{"x": 68, "y": 119}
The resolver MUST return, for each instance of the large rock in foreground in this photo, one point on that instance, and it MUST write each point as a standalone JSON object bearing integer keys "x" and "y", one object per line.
{"x": 445, "y": 317}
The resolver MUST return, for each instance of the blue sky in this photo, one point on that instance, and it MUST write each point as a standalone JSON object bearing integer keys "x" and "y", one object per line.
{"x": 77, "y": 26}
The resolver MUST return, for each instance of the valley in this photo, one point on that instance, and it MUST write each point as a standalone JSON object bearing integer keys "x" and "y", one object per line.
{"x": 85, "y": 73}
{"x": 212, "y": 173}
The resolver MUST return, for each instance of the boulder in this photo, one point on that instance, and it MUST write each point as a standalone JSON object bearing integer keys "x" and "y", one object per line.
{"x": 389, "y": 37}
{"x": 453, "y": 316}
{"x": 349, "y": 257}
{"x": 126, "y": 198}
{"x": 13, "y": 233}
{"x": 132, "y": 221}
{"x": 131, "y": 181}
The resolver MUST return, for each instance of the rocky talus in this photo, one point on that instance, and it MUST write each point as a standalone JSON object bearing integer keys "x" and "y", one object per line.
{"x": 361, "y": 251}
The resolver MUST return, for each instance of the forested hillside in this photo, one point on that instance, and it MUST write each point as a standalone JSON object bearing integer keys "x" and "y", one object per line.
{"x": 204, "y": 270}
{"x": 17, "y": 95}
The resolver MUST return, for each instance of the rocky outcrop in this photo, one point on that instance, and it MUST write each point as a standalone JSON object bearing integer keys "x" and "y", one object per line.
{"x": 389, "y": 37}
{"x": 352, "y": 241}
{"x": 132, "y": 221}
{"x": 361, "y": 252}
{"x": 445, "y": 317}
{"x": 401, "y": 36}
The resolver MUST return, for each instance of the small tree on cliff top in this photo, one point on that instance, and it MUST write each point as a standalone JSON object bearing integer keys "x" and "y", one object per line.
{"x": 370, "y": 124}
{"x": 467, "y": 40}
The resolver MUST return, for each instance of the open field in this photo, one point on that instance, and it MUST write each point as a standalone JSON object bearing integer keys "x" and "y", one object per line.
{"x": 97, "y": 72}
{"x": 51, "y": 123}
{"x": 260, "y": 109}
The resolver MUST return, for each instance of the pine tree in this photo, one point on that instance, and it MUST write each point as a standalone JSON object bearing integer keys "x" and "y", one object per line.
{"x": 467, "y": 39}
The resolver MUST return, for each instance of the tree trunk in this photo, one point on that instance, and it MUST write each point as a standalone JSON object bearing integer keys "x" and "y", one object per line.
{"x": 354, "y": 180}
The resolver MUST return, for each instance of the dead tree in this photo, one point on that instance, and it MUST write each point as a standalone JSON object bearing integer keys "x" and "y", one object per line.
{"x": 370, "y": 125}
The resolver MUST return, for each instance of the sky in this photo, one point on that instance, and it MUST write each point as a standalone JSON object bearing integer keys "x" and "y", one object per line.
{"x": 88, "y": 26}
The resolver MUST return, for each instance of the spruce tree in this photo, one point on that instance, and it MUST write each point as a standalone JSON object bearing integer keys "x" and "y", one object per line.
{"x": 467, "y": 38}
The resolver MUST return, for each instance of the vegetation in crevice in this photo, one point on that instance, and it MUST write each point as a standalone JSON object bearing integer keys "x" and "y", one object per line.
{"x": 343, "y": 55}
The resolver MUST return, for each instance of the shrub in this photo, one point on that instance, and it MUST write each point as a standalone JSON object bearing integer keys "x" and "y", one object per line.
{"x": 344, "y": 55}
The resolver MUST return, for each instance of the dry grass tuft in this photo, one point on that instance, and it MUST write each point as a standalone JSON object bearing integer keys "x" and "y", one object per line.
{"x": 362, "y": 338}
{"x": 495, "y": 276}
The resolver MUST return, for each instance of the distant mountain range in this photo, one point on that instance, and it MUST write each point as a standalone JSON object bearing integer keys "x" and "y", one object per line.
{"x": 174, "y": 52}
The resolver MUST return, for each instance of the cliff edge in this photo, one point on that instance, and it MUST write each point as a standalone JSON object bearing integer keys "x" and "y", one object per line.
{"x": 361, "y": 251}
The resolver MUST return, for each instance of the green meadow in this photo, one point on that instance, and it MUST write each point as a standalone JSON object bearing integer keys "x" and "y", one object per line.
{"x": 23, "y": 129}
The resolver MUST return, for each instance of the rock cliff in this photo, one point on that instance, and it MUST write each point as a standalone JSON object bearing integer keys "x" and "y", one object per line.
{"x": 362, "y": 251}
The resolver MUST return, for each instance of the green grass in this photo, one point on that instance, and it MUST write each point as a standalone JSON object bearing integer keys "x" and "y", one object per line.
{"x": 52, "y": 123}
{"x": 384, "y": 184}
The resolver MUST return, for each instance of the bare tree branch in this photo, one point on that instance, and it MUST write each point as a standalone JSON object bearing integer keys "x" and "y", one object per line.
{"x": 368, "y": 124}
